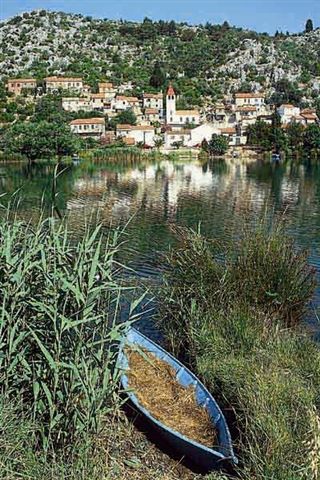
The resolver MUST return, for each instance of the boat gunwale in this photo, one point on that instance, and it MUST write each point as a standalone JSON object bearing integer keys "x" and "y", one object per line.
{"x": 146, "y": 412}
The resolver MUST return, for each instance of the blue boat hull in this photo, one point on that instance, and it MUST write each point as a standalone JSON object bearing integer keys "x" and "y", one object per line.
{"x": 220, "y": 455}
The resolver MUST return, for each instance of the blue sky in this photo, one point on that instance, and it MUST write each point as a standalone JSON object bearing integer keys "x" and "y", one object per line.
{"x": 261, "y": 15}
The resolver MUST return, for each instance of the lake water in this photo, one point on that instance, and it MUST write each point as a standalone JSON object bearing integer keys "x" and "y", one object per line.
{"x": 154, "y": 196}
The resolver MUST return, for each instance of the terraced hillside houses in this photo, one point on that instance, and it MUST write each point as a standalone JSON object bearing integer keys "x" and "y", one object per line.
{"x": 156, "y": 116}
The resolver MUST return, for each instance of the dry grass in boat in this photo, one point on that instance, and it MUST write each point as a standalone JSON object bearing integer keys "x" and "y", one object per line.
{"x": 154, "y": 382}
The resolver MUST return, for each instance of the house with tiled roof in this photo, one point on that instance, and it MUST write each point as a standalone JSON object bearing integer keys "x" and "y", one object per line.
{"x": 107, "y": 88}
{"x": 55, "y": 83}
{"x": 140, "y": 133}
{"x": 121, "y": 103}
{"x": 150, "y": 115}
{"x": 88, "y": 127}
{"x": 287, "y": 112}
{"x": 153, "y": 101}
{"x": 254, "y": 99}
{"x": 179, "y": 118}
{"x": 309, "y": 116}
{"x": 16, "y": 85}
{"x": 75, "y": 104}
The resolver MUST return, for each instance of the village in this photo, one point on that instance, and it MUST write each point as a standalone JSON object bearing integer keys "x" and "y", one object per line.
{"x": 158, "y": 120}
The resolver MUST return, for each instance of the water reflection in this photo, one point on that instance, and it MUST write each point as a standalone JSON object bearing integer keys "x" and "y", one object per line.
{"x": 153, "y": 196}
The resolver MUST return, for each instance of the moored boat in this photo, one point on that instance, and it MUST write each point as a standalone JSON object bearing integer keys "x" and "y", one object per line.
{"x": 207, "y": 458}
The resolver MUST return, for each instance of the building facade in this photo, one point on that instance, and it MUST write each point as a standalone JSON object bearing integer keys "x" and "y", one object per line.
{"x": 54, "y": 84}
{"x": 89, "y": 127}
{"x": 16, "y": 85}
{"x": 140, "y": 133}
{"x": 179, "y": 118}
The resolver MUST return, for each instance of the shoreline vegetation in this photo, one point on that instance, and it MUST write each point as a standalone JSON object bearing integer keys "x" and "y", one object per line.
{"x": 233, "y": 314}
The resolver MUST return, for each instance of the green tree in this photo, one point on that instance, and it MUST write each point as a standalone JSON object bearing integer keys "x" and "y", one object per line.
{"x": 205, "y": 145}
{"x": 127, "y": 117}
{"x": 49, "y": 108}
{"x": 311, "y": 139}
{"x": 39, "y": 140}
{"x": 159, "y": 142}
{"x": 260, "y": 134}
{"x": 158, "y": 76}
{"x": 218, "y": 144}
{"x": 309, "y": 26}
{"x": 295, "y": 135}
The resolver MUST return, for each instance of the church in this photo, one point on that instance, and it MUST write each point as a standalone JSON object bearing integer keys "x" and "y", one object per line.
{"x": 179, "y": 118}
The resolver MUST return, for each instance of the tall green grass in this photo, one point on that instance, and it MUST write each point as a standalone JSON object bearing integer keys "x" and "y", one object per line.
{"x": 58, "y": 327}
{"x": 233, "y": 312}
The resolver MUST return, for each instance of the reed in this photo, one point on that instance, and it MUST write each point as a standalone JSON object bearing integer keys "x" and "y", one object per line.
{"x": 58, "y": 327}
{"x": 233, "y": 312}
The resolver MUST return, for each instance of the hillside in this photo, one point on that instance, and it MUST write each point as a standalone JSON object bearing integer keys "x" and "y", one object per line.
{"x": 204, "y": 61}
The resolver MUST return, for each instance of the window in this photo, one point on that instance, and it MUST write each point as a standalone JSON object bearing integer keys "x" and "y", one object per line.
{"x": 80, "y": 127}
{"x": 181, "y": 119}
{"x": 193, "y": 119}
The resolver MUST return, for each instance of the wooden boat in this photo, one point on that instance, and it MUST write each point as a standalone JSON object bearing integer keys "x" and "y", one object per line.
{"x": 220, "y": 455}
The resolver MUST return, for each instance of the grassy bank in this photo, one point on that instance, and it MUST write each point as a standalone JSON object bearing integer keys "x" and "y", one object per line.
{"x": 233, "y": 313}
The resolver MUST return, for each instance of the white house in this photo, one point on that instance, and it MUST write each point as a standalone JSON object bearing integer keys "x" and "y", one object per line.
{"x": 53, "y": 84}
{"x": 233, "y": 137}
{"x": 253, "y": 99}
{"x": 246, "y": 115}
{"x": 107, "y": 89}
{"x": 203, "y": 132}
{"x": 287, "y": 112}
{"x": 150, "y": 115}
{"x": 121, "y": 103}
{"x": 88, "y": 127}
{"x": 139, "y": 133}
{"x": 177, "y": 136}
{"x": 153, "y": 101}
{"x": 74, "y": 104}
{"x": 101, "y": 103}
{"x": 179, "y": 118}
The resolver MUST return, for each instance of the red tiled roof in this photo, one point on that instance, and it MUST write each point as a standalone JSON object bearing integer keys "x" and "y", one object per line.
{"x": 63, "y": 79}
{"x": 249, "y": 95}
{"x": 228, "y": 130}
{"x": 157, "y": 96}
{"x": 287, "y": 105}
{"x": 129, "y": 99}
{"x": 170, "y": 90}
{"x": 22, "y": 80}
{"x": 151, "y": 111}
{"x": 129, "y": 141}
{"x": 247, "y": 108}
{"x": 87, "y": 121}
{"x": 309, "y": 116}
{"x": 105, "y": 85}
{"x": 124, "y": 126}
{"x": 135, "y": 127}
